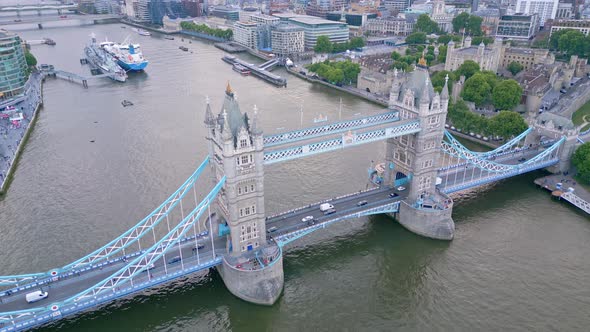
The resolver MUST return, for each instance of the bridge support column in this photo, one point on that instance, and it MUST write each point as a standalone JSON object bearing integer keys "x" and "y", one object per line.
{"x": 432, "y": 223}
{"x": 261, "y": 285}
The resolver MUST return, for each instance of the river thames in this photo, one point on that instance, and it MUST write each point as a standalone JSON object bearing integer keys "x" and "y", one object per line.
{"x": 92, "y": 168}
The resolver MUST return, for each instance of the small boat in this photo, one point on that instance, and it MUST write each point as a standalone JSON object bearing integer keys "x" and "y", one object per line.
{"x": 241, "y": 69}
{"x": 49, "y": 41}
{"x": 184, "y": 48}
{"x": 126, "y": 103}
{"x": 320, "y": 118}
{"x": 169, "y": 37}
{"x": 142, "y": 32}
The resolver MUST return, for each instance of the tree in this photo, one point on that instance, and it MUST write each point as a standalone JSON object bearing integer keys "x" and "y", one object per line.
{"x": 541, "y": 43}
{"x": 477, "y": 90}
{"x": 416, "y": 38}
{"x": 356, "y": 42}
{"x": 438, "y": 80}
{"x": 30, "y": 58}
{"x": 581, "y": 160}
{"x": 426, "y": 25}
{"x": 474, "y": 25}
{"x": 460, "y": 22}
{"x": 323, "y": 45}
{"x": 515, "y": 67}
{"x": 506, "y": 95}
{"x": 442, "y": 54}
{"x": 507, "y": 124}
{"x": 395, "y": 56}
{"x": 467, "y": 69}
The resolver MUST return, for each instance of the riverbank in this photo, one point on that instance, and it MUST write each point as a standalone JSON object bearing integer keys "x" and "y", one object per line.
{"x": 145, "y": 27}
{"x": 566, "y": 187}
{"x": 353, "y": 91}
{"x": 30, "y": 107}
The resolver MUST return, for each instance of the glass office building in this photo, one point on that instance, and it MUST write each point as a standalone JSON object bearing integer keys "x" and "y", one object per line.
{"x": 13, "y": 65}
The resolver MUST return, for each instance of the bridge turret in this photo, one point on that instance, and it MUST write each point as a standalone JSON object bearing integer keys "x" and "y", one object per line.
{"x": 444, "y": 96}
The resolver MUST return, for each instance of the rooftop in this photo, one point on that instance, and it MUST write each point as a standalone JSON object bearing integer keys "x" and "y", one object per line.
{"x": 306, "y": 19}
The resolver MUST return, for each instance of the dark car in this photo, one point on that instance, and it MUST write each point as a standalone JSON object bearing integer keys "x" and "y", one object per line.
{"x": 361, "y": 203}
{"x": 174, "y": 259}
{"x": 329, "y": 211}
{"x": 392, "y": 195}
{"x": 521, "y": 160}
{"x": 199, "y": 247}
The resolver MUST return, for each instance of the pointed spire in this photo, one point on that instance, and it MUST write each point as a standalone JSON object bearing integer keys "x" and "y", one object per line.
{"x": 445, "y": 89}
{"x": 395, "y": 72}
{"x": 254, "y": 127}
{"x": 228, "y": 90}
{"x": 226, "y": 133}
{"x": 424, "y": 96}
{"x": 209, "y": 118}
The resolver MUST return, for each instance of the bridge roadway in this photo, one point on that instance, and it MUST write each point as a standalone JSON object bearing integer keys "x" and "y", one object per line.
{"x": 34, "y": 19}
{"x": 292, "y": 221}
{"x": 68, "y": 286}
{"x": 465, "y": 173}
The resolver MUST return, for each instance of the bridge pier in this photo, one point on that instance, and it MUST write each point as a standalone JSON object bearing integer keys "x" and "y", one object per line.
{"x": 262, "y": 285}
{"x": 431, "y": 223}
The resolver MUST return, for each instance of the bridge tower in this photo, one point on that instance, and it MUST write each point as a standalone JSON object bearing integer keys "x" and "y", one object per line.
{"x": 252, "y": 269}
{"x": 414, "y": 159}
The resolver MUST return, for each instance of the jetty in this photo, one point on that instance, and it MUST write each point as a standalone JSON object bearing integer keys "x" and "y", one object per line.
{"x": 50, "y": 71}
{"x": 564, "y": 187}
{"x": 260, "y": 71}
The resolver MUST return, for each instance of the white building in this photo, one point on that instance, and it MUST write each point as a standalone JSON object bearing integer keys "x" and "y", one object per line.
{"x": 245, "y": 34}
{"x": 581, "y": 25}
{"x": 390, "y": 26}
{"x": 314, "y": 27}
{"x": 441, "y": 17}
{"x": 287, "y": 40}
{"x": 546, "y": 9}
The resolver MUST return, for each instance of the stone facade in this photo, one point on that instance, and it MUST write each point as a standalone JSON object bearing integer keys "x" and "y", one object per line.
{"x": 441, "y": 17}
{"x": 373, "y": 81}
{"x": 488, "y": 58}
{"x": 527, "y": 57}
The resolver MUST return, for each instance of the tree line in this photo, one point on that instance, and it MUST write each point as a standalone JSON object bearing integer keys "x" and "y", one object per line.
{"x": 203, "y": 28}
{"x": 506, "y": 124}
{"x": 336, "y": 72}
{"x": 324, "y": 45}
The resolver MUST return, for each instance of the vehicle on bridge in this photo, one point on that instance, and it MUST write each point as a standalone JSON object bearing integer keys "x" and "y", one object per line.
{"x": 308, "y": 220}
{"x": 36, "y": 296}
{"x": 329, "y": 211}
{"x": 326, "y": 206}
{"x": 401, "y": 188}
{"x": 174, "y": 259}
{"x": 361, "y": 203}
{"x": 272, "y": 229}
{"x": 393, "y": 195}
{"x": 198, "y": 247}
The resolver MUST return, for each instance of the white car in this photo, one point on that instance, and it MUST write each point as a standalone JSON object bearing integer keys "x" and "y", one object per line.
{"x": 308, "y": 218}
{"x": 36, "y": 296}
{"x": 401, "y": 188}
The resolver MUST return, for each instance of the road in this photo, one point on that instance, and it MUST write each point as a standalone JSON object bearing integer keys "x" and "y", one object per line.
{"x": 12, "y": 20}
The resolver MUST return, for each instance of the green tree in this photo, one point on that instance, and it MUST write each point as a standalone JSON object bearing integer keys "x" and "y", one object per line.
{"x": 323, "y": 45}
{"x": 507, "y": 124}
{"x": 426, "y": 25}
{"x": 515, "y": 67}
{"x": 581, "y": 160}
{"x": 474, "y": 25}
{"x": 438, "y": 80}
{"x": 477, "y": 89}
{"x": 572, "y": 42}
{"x": 356, "y": 42}
{"x": 506, "y": 95}
{"x": 416, "y": 38}
{"x": 442, "y": 54}
{"x": 541, "y": 43}
{"x": 467, "y": 69}
{"x": 30, "y": 58}
{"x": 460, "y": 22}
{"x": 395, "y": 56}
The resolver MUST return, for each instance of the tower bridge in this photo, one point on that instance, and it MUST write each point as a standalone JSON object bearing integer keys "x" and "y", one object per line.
{"x": 229, "y": 229}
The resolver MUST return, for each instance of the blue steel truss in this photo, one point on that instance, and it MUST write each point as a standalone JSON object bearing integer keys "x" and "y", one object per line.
{"x": 505, "y": 147}
{"x": 123, "y": 241}
{"x": 490, "y": 166}
{"x": 89, "y": 297}
{"x": 330, "y": 129}
{"x": 388, "y": 207}
{"x": 349, "y": 139}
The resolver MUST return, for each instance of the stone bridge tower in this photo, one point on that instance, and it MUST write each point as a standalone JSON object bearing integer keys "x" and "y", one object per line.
{"x": 415, "y": 158}
{"x": 236, "y": 151}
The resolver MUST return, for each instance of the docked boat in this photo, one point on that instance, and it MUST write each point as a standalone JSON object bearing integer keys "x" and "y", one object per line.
{"x": 127, "y": 55}
{"x": 101, "y": 59}
{"x": 169, "y": 37}
{"x": 241, "y": 69}
{"x": 49, "y": 41}
{"x": 142, "y": 32}
{"x": 184, "y": 48}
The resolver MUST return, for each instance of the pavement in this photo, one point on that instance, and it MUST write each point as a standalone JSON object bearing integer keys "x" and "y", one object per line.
{"x": 11, "y": 136}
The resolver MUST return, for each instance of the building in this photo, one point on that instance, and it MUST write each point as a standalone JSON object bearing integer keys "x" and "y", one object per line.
{"x": 140, "y": 11}
{"x": 397, "y": 5}
{"x": 320, "y": 8}
{"x": 13, "y": 65}
{"x": 518, "y": 26}
{"x": 264, "y": 25}
{"x": 488, "y": 58}
{"x": 441, "y": 17}
{"x": 228, "y": 13}
{"x": 527, "y": 57}
{"x": 581, "y": 25}
{"x": 287, "y": 40}
{"x": 314, "y": 27}
{"x": 474, "y": 6}
{"x": 546, "y": 9}
{"x": 390, "y": 26}
{"x": 172, "y": 8}
{"x": 491, "y": 17}
{"x": 246, "y": 34}
{"x": 565, "y": 10}
{"x": 374, "y": 81}
{"x": 354, "y": 19}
